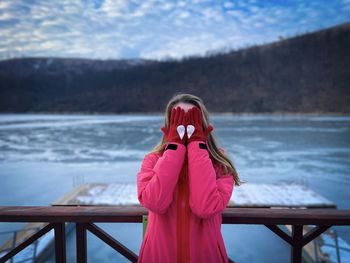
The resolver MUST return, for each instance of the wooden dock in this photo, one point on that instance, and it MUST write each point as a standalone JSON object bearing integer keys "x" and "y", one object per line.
{"x": 246, "y": 195}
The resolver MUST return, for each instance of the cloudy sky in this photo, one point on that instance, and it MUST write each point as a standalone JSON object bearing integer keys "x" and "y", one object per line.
{"x": 155, "y": 29}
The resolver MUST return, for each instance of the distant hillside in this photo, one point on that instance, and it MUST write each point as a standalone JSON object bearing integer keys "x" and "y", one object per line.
{"x": 52, "y": 65}
{"x": 306, "y": 73}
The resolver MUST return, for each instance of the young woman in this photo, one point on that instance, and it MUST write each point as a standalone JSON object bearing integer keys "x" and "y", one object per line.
{"x": 185, "y": 182}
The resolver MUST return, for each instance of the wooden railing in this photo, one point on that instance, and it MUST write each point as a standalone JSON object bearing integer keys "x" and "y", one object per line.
{"x": 85, "y": 216}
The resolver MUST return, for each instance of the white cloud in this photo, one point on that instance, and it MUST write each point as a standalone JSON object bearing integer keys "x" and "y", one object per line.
{"x": 114, "y": 8}
{"x": 181, "y": 3}
{"x": 6, "y": 16}
{"x": 184, "y": 14}
{"x": 167, "y": 6}
{"x": 229, "y": 4}
{"x": 237, "y": 14}
{"x": 254, "y": 9}
{"x": 152, "y": 27}
{"x": 211, "y": 13}
{"x": 176, "y": 48}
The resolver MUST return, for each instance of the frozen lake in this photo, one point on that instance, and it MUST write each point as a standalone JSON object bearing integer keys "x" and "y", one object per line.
{"x": 44, "y": 156}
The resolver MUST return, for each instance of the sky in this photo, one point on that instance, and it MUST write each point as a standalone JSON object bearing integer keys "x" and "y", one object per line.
{"x": 153, "y": 29}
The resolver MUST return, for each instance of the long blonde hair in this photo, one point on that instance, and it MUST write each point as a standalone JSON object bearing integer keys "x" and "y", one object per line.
{"x": 214, "y": 150}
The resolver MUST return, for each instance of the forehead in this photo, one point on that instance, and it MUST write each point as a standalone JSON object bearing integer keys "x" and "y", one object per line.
{"x": 184, "y": 105}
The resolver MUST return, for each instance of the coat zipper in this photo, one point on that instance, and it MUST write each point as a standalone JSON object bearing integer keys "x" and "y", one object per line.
{"x": 186, "y": 218}
{"x": 182, "y": 218}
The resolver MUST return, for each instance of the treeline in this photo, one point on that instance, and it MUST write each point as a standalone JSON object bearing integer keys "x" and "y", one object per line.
{"x": 305, "y": 73}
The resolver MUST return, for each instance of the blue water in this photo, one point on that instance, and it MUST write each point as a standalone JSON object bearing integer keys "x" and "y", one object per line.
{"x": 43, "y": 157}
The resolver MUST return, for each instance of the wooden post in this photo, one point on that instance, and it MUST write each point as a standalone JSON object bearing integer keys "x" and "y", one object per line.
{"x": 60, "y": 242}
{"x": 81, "y": 243}
{"x": 297, "y": 241}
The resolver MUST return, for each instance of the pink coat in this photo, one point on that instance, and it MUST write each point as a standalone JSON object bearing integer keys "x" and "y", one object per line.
{"x": 185, "y": 194}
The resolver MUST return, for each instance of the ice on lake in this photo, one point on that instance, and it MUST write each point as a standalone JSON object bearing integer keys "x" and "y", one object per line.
{"x": 44, "y": 156}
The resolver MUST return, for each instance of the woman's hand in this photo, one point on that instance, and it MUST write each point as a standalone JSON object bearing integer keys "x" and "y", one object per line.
{"x": 176, "y": 131}
{"x": 194, "y": 128}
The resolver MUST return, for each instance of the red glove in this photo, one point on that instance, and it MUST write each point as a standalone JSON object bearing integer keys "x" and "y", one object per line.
{"x": 176, "y": 131}
{"x": 194, "y": 128}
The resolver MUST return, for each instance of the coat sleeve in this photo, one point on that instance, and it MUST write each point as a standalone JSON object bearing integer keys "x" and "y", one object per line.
{"x": 158, "y": 177}
{"x": 208, "y": 195}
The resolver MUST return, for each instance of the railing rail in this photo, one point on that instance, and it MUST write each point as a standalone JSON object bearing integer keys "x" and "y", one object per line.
{"x": 86, "y": 216}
